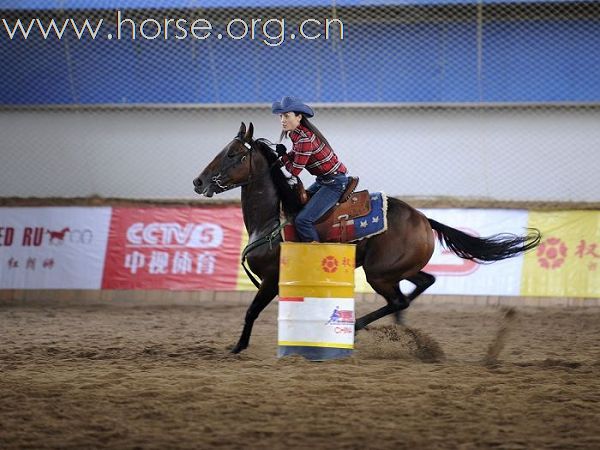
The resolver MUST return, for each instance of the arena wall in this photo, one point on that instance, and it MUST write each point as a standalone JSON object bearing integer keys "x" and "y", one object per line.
{"x": 122, "y": 254}
{"x": 519, "y": 154}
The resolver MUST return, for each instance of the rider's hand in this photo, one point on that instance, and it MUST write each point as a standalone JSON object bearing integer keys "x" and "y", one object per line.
{"x": 292, "y": 181}
{"x": 281, "y": 150}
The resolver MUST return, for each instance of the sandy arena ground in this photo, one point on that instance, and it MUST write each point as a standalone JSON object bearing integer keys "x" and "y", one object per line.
{"x": 151, "y": 377}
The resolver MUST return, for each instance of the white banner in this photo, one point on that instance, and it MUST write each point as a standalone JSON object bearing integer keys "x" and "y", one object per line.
{"x": 463, "y": 277}
{"x": 456, "y": 276}
{"x": 53, "y": 247}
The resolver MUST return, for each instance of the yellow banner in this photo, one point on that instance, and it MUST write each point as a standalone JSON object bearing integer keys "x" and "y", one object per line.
{"x": 243, "y": 282}
{"x": 567, "y": 262}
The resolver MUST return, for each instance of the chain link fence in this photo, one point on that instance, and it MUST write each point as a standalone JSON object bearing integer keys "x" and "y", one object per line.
{"x": 485, "y": 99}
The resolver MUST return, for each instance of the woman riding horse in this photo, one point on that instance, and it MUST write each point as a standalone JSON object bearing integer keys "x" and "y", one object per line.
{"x": 387, "y": 258}
{"x": 311, "y": 151}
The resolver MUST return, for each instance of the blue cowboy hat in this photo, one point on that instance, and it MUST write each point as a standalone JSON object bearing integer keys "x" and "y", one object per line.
{"x": 292, "y": 104}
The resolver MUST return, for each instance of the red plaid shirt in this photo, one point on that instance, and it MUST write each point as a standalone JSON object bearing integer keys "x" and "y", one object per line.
{"x": 310, "y": 152}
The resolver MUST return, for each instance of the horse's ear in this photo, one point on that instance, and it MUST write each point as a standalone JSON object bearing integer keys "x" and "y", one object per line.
{"x": 249, "y": 133}
{"x": 242, "y": 130}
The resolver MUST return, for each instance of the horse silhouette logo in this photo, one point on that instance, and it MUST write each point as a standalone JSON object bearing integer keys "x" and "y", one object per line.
{"x": 58, "y": 237}
{"x": 341, "y": 317}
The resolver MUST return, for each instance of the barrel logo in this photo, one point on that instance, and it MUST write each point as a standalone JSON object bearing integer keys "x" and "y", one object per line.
{"x": 329, "y": 264}
{"x": 341, "y": 317}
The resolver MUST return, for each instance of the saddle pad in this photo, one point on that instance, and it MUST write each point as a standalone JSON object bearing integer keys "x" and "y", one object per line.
{"x": 350, "y": 230}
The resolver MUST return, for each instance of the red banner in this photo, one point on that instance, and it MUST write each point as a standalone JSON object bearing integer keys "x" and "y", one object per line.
{"x": 173, "y": 248}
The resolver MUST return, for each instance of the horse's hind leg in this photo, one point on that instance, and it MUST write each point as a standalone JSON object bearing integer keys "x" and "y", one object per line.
{"x": 394, "y": 297}
{"x": 422, "y": 282}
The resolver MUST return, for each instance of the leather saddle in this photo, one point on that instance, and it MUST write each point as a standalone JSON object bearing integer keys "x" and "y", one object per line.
{"x": 358, "y": 205}
{"x": 350, "y": 205}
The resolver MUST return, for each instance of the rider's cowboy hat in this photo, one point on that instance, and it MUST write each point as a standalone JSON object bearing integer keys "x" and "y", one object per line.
{"x": 292, "y": 104}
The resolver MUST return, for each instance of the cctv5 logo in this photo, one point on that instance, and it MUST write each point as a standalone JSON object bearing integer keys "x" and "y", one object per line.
{"x": 194, "y": 235}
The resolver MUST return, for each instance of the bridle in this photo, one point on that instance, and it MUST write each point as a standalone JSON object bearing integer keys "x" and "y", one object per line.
{"x": 275, "y": 234}
{"x": 217, "y": 179}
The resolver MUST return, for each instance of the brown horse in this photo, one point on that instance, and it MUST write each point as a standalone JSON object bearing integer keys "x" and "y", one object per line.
{"x": 397, "y": 254}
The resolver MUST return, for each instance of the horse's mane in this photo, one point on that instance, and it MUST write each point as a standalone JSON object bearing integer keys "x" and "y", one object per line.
{"x": 287, "y": 194}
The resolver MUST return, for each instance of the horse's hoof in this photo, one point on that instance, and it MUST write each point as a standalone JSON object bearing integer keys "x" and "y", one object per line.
{"x": 400, "y": 319}
{"x": 237, "y": 349}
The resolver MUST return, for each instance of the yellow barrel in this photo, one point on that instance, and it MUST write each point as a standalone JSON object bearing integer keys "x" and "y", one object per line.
{"x": 316, "y": 300}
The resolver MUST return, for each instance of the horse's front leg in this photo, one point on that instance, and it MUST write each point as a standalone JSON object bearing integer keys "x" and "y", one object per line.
{"x": 266, "y": 293}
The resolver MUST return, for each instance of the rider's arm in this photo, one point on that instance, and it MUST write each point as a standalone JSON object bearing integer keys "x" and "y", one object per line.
{"x": 295, "y": 160}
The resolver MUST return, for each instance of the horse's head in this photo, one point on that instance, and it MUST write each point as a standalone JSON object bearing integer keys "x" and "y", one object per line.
{"x": 231, "y": 168}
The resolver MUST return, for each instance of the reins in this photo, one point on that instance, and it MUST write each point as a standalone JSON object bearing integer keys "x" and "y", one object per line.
{"x": 273, "y": 236}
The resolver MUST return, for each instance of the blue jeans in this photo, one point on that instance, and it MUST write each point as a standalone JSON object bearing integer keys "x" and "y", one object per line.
{"x": 326, "y": 192}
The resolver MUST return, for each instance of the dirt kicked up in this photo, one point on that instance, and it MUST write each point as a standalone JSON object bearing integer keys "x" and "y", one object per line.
{"x": 149, "y": 377}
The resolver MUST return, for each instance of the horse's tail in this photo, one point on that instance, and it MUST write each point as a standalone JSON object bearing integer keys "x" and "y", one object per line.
{"x": 487, "y": 249}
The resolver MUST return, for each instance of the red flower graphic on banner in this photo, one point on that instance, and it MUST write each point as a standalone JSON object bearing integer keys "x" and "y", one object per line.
{"x": 552, "y": 253}
{"x": 329, "y": 263}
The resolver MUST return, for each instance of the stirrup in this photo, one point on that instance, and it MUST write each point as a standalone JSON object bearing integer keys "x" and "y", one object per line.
{"x": 352, "y": 184}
